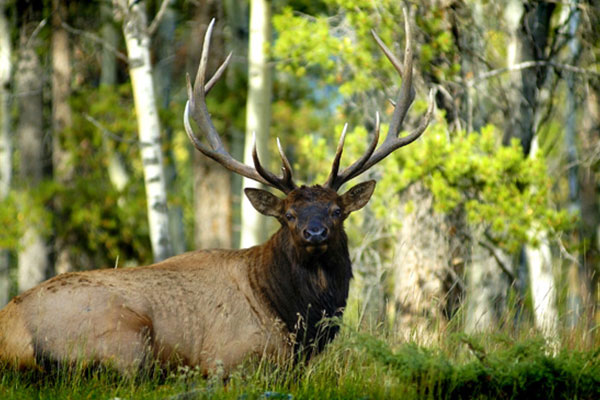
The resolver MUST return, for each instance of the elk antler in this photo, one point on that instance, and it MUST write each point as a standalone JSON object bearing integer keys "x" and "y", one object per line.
{"x": 392, "y": 142}
{"x": 196, "y": 106}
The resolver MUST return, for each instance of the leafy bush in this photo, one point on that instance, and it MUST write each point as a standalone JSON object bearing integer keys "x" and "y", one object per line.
{"x": 497, "y": 186}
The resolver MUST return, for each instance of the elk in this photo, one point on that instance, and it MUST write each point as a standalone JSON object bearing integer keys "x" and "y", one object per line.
{"x": 215, "y": 308}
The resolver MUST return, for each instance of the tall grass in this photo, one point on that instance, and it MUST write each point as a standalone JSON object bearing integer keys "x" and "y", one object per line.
{"x": 361, "y": 363}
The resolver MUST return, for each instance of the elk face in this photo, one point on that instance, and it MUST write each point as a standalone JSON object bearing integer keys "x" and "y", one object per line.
{"x": 313, "y": 215}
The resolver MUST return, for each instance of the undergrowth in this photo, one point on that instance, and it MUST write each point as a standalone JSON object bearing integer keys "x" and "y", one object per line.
{"x": 357, "y": 365}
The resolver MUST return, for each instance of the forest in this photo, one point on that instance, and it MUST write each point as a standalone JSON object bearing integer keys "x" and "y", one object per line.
{"x": 480, "y": 246}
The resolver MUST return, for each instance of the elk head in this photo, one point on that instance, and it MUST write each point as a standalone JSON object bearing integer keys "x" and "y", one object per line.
{"x": 311, "y": 214}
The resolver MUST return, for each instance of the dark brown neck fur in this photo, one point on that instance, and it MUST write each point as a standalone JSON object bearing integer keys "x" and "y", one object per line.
{"x": 302, "y": 289}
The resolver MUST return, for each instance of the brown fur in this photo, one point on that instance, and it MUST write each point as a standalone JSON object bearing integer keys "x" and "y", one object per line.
{"x": 205, "y": 308}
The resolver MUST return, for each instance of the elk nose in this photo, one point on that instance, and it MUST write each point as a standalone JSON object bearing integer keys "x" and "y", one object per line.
{"x": 315, "y": 234}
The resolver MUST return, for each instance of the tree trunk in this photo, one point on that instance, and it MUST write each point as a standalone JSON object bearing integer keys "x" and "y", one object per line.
{"x": 530, "y": 40}
{"x": 237, "y": 21}
{"x": 5, "y": 139}
{"x": 61, "y": 120}
{"x": 258, "y": 113}
{"x": 212, "y": 183}
{"x": 117, "y": 171}
{"x": 110, "y": 39}
{"x": 589, "y": 187}
{"x": 212, "y": 211}
{"x": 140, "y": 69}
{"x": 33, "y": 252}
{"x": 590, "y": 207}
{"x": 543, "y": 289}
{"x": 486, "y": 285}
{"x": 163, "y": 79}
{"x": 574, "y": 305}
{"x": 427, "y": 266}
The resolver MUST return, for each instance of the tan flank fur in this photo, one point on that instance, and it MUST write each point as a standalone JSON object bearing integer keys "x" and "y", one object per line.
{"x": 215, "y": 308}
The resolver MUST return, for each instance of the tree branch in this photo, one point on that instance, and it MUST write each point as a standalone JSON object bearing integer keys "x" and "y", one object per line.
{"x": 36, "y": 31}
{"x": 97, "y": 39}
{"x": 107, "y": 132}
{"x": 158, "y": 17}
{"x": 499, "y": 260}
{"x": 529, "y": 64}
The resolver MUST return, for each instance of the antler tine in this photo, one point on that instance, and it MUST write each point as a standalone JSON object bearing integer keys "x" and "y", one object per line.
{"x": 335, "y": 166}
{"x": 284, "y": 184}
{"x": 407, "y": 91}
{"x": 196, "y": 106}
{"x": 186, "y": 117}
{"x": 357, "y": 168}
{"x": 403, "y": 102}
{"x": 271, "y": 178}
{"x": 335, "y": 181}
{"x": 286, "y": 168}
{"x": 395, "y": 62}
{"x": 201, "y": 115}
{"x": 218, "y": 74}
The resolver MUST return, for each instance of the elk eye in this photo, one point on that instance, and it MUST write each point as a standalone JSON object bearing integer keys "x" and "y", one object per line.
{"x": 337, "y": 212}
{"x": 289, "y": 216}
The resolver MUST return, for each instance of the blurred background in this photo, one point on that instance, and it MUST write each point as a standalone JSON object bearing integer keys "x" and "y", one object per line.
{"x": 491, "y": 219}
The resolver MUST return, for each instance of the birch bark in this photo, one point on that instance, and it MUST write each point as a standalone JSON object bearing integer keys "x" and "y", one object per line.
{"x": 5, "y": 139}
{"x": 137, "y": 42}
{"x": 258, "y": 114}
{"x": 61, "y": 120}
{"x": 33, "y": 252}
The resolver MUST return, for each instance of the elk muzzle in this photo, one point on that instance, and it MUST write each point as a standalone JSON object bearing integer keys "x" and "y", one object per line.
{"x": 315, "y": 233}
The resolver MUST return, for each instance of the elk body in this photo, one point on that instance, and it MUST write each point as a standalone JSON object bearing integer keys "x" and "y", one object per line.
{"x": 214, "y": 308}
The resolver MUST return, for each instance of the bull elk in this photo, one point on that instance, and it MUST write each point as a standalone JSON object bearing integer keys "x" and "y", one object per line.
{"x": 212, "y": 308}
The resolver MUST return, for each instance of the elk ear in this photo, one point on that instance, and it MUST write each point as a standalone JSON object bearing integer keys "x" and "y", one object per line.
{"x": 264, "y": 202}
{"x": 357, "y": 197}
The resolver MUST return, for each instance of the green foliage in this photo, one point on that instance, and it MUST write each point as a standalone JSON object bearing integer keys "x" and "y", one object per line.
{"x": 338, "y": 46}
{"x": 356, "y": 365}
{"x": 99, "y": 219}
{"x": 497, "y": 187}
{"x": 101, "y": 222}
{"x": 502, "y": 368}
{"x": 438, "y": 54}
{"x": 340, "y": 49}
{"x": 25, "y": 205}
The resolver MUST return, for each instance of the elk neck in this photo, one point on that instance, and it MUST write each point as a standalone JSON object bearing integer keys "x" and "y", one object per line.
{"x": 300, "y": 288}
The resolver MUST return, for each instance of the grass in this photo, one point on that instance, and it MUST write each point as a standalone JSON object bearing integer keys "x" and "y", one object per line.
{"x": 357, "y": 365}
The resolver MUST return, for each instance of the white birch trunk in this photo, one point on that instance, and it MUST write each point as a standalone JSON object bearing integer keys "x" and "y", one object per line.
{"x": 5, "y": 75}
{"x": 33, "y": 251}
{"x": 258, "y": 114}
{"x": 61, "y": 120}
{"x": 541, "y": 279}
{"x": 539, "y": 259}
{"x": 5, "y": 140}
{"x": 140, "y": 70}
{"x": 543, "y": 288}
